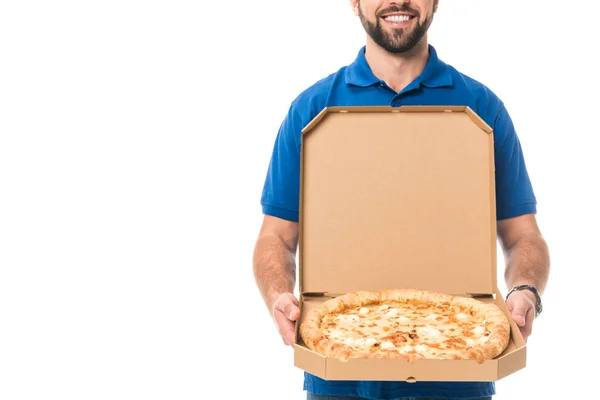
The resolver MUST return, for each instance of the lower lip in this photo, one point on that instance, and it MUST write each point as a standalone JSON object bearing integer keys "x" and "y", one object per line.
{"x": 398, "y": 24}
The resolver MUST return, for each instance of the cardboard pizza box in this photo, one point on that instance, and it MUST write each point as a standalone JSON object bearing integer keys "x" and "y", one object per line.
{"x": 399, "y": 198}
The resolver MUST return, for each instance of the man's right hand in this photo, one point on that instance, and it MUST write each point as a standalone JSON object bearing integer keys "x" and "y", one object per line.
{"x": 285, "y": 312}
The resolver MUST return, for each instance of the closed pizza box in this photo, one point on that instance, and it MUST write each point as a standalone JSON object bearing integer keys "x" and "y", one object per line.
{"x": 396, "y": 198}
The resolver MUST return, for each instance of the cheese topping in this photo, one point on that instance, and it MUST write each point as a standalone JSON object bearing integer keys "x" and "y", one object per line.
{"x": 406, "y": 329}
{"x": 406, "y": 349}
{"x": 421, "y": 348}
{"x": 335, "y": 334}
{"x": 387, "y": 345}
{"x": 429, "y": 331}
{"x": 479, "y": 330}
{"x": 392, "y": 312}
{"x": 348, "y": 319}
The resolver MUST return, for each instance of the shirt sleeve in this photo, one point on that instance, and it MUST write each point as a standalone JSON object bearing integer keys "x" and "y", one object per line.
{"x": 281, "y": 191}
{"x": 514, "y": 191}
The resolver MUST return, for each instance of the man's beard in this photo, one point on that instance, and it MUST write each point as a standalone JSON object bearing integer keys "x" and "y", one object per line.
{"x": 400, "y": 40}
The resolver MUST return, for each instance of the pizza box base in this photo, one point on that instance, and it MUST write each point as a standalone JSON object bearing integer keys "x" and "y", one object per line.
{"x": 511, "y": 360}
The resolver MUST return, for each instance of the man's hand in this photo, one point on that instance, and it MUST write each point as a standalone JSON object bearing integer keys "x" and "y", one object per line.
{"x": 285, "y": 311}
{"x": 521, "y": 304}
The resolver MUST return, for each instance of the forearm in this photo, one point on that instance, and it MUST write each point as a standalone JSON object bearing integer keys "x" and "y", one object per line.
{"x": 528, "y": 262}
{"x": 274, "y": 264}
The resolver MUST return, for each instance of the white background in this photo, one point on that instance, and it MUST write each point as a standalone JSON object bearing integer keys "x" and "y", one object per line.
{"x": 134, "y": 140}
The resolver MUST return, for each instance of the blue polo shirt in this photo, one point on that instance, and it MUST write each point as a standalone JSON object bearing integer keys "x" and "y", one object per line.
{"x": 356, "y": 85}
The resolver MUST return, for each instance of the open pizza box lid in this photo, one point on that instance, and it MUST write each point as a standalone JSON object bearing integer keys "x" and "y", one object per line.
{"x": 396, "y": 198}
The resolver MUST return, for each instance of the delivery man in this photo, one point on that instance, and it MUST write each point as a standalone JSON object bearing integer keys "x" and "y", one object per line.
{"x": 397, "y": 67}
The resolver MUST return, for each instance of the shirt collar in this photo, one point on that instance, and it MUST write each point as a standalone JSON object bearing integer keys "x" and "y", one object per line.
{"x": 436, "y": 72}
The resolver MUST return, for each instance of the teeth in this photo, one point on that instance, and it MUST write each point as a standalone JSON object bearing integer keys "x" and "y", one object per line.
{"x": 397, "y": 18}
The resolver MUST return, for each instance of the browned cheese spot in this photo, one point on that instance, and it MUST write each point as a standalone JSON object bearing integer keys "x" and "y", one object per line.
{"x": 455, "y": 342}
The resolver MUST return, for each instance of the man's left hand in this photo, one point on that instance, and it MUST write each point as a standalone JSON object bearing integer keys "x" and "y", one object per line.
{"x": 521, "y": 304}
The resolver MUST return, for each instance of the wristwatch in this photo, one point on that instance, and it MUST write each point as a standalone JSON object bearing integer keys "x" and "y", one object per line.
{"x": 538, "y": 303}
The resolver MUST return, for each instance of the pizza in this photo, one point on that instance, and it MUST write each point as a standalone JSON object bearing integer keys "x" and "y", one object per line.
{"x": 406, "y": 324}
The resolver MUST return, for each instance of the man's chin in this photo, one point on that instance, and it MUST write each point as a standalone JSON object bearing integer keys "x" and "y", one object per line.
{"x": 398, "y": 43}
{"x": 397, "y": 48}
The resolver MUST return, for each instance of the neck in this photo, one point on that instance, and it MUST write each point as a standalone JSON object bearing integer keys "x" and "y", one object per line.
{"x": 397, "y": 70}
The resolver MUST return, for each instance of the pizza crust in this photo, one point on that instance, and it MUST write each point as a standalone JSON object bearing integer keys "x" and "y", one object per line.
{"x": 406, "y": 324}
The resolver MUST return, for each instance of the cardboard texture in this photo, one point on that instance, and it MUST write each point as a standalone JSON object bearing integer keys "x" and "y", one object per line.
{"x": 399, "y": 198}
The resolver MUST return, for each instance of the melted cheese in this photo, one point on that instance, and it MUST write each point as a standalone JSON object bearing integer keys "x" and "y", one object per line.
{"x": 421, "y": 348}
{"x": 348, "y": 319}
{"x": 479, "y": 330}
{"x": 387, "y": 345}
{"x": 336, "y": 334}
{"x": 406, "y": 349}
{"x": 406, "y": 329}
{"x": 429, "y": 332}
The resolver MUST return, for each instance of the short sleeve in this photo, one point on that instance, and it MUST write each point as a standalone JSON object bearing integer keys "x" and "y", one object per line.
{"x": 281, "y": 191}
{"x": 514, "y": 191}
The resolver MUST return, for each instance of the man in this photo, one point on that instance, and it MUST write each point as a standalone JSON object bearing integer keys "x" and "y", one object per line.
{"x": 398, "y": 67}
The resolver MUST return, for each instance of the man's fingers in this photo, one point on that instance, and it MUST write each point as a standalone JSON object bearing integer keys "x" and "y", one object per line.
{"x": 293, "y": 313}
{"x": 519, "y": 313}
{"x": 285, "y": 327}
{"x": 528, "y": 328}
{"x": 288, "y": 305}
{"x": 519, "y": 319}
{"x": 522, "y": 312}
{"x": 285, "y": 312}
